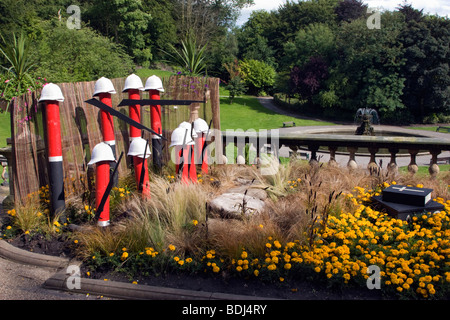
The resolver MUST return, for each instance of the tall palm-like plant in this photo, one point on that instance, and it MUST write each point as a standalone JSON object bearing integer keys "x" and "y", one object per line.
{"x": 191, "y": 57}
{"x": 19, "y": 64}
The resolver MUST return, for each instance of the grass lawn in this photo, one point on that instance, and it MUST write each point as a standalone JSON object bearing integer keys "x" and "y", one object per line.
{"x": 247, "y": 113}
{"x": 5, "y": 128}
{"x": 427, "y": 128}
{"x": 423, "y": 170}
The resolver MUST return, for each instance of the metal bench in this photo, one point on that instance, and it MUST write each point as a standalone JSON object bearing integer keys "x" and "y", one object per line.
{"x": 291, "y": 123}
{"x": 443, "y": 129}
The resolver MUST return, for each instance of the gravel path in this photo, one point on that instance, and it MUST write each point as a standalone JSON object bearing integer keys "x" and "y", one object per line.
{"x": 24, "y": 282}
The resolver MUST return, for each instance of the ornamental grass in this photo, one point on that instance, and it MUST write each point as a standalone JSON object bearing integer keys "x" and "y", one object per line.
{"x": 319, "y": 224}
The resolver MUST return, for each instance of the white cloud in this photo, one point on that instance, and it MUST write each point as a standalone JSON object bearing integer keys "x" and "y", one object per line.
{"x": 440, "y": 7}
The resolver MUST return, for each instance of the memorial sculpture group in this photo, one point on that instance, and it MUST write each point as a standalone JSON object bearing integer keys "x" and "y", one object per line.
{"x": 188, "y": 141}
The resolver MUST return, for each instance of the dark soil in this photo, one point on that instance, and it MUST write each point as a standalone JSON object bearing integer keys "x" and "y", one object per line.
{"x": 56, "y": 246}
{"x": 292, "y": 289}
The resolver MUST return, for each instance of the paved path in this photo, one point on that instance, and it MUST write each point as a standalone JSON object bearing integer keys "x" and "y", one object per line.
{"x": 24, "y": 282}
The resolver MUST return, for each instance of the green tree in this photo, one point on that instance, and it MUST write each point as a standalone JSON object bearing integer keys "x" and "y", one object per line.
{"x": 221, "y": 51}
{"x": 162, "y": 29}
{"x": 253, "y": 38}
{"x": 66, "y": 55}
{"x": 316, "y": 39}
{"x": 294, "y": 16}
{"x": 258, "y": 76}
{"x": 367, "y": 73}
{"x": 207, "y": 18}
{"x": 427, "y": 85}
{"x": 124, "y": 21}
{"x": 349, "y": 10}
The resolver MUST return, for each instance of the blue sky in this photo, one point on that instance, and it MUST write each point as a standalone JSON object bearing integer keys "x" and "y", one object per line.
{"x": 440, "y": 7}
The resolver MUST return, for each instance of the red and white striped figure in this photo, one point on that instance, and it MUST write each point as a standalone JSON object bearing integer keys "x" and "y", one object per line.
{"x": 192, "y": 170}
{"x": 133, "y": 85}
{"x": 154, "y": 87}
{"x": 51, "y": 94}
{"x": 103, "y": 89}
{"x": 201, "y": 128}
{"x": 102, "y": 157}
{"x": 182, "y": 142}
{"x": 140, "y": 154}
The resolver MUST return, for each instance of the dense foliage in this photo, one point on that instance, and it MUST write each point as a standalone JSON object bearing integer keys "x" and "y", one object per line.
{"x": 320, "y": 55}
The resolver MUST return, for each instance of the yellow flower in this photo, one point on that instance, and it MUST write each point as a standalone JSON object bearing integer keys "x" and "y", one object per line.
{"x": 176, "y": 259}
{"x": 188, "y": 260}
{"x": 256, "y": 273}
{"x": 216, "y": 269}
{"x": 277, "y": 244}
{"x": 238, "y": 268}
{"x": 124, "y": 256}
{"x": 281, "y": 279}
{"x": 171, "y": 247}
{"x": 8, "y": 227}
{"x": 271, "y": 267}
{"x": 287, "y": 266}
{"x": 244, "y": 255}
{"x": 194, "y": 222}
{"x": 181, "y": 262}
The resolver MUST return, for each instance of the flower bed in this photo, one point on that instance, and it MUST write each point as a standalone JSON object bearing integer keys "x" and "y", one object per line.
{"x": 340, "y": 243}
{"x": 413, "y": 258}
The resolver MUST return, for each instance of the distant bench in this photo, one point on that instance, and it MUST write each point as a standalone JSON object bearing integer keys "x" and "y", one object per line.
{"x": 443, "y": 129}
{"x": 289, "y": 123}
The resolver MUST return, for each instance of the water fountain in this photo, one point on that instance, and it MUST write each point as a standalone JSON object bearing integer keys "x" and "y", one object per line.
{"x": 365, "y": 117}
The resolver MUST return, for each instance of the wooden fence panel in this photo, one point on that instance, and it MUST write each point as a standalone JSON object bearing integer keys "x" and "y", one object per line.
{"x": 81, "y": 128}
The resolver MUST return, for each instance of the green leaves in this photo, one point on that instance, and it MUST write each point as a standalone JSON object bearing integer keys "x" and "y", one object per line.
{"x": 79, "y": 55}
{"x": 257, "y": 75}
{"x": 191, "y": 58}
{"x": 16, "y": 52}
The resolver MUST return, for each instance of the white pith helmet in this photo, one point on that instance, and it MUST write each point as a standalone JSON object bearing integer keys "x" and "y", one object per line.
{"x": 154, "y": 83}
{"x": 51, "y": 92}
{"x": 200, "y": 125}
{"x": 137, "y": 148}
{"x": 101, "y": 152}
{"x": 103, "y": 85}
{"x": 133, "y": 82}
{"x": 188, "y": 126}
{"x": 178, "y": 135}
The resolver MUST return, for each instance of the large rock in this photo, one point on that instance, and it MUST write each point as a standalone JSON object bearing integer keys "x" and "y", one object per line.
{"x": 236, "y": 205}
{"x": 251, "y": 191}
